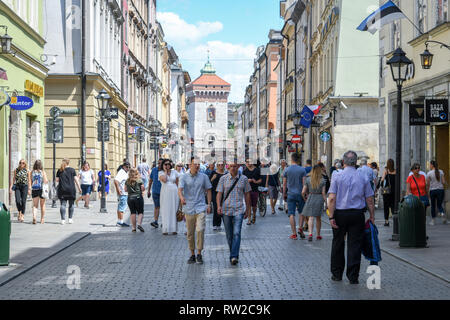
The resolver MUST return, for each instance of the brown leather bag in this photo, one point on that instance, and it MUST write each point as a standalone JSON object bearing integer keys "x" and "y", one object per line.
{"x": 180, "y": 213}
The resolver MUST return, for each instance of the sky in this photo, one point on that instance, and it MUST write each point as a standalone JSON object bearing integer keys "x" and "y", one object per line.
{"x": 231, "y": 29}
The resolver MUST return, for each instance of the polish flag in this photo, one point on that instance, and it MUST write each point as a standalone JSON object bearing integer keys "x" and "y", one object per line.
{"x": 315, "y": 109}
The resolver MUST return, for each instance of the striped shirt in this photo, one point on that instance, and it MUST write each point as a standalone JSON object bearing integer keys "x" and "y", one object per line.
{"x": 234, "y": 205}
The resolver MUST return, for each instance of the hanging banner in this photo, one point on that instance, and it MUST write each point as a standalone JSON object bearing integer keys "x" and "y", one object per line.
{"x": 21, "y": 103}
{"x": 436, "y": 110}
{"x": 417, "y": 115}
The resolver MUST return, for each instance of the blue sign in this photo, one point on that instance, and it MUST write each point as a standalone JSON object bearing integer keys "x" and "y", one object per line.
{"x": 325, "y": 136}
{"x": 21, "y": 103}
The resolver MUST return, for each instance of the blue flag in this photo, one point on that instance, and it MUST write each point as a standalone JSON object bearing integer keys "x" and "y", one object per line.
{"x": 307, "y": 117}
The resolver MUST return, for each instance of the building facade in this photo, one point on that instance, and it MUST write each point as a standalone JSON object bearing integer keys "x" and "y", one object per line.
{"x": 420, "y": 143}
{"x": 83, "y": 67}
{"x": 23, "y": 74}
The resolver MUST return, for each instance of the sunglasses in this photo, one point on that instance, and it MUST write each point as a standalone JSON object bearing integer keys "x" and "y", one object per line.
{"x": 416, "y": 168}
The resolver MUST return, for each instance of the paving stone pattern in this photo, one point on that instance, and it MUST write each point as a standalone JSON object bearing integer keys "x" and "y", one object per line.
{"x": 122, "y": 265}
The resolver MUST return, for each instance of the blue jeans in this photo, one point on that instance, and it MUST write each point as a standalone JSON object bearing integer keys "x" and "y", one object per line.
{"x": 233, "y": 226}
{"x": 437, "y": 196}
{"x": 295, "y": 201}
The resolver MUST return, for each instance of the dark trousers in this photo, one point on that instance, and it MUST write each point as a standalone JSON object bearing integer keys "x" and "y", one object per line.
{"x": 352, "y": 223}
{"x": 437, "y": 197}
{"x": 217, "y": 220}
{"x": 388, "y": 202}
{"x": 21, "y": 194}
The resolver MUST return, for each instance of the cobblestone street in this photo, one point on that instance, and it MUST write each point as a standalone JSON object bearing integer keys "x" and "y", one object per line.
{"x": 116, "y": 264}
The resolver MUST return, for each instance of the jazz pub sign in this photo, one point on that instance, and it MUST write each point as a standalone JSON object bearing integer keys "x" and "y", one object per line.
{"x": 433, "y": 111}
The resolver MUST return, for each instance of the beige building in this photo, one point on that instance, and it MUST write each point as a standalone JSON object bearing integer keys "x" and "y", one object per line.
{"x": 426, "y": 142}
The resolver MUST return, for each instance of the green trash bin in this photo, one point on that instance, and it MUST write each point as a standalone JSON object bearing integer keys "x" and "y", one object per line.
{"x": 5, "y": 233}
{"x": 412, "y": 222}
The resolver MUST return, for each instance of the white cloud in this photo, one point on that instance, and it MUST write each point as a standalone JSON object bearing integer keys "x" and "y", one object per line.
{"x": 233, "y": 62}
{"x": 179, "y": 31}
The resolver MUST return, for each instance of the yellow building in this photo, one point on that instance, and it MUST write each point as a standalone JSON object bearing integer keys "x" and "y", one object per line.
{"x": 427, "y": 142}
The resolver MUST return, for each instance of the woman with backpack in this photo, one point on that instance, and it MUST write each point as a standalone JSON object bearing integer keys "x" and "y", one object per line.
{"x": 37, "y": 179}
{"x": 66, "y": 177}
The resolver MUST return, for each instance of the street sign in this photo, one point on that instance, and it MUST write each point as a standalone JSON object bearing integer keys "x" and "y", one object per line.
{"x": 154, "y": 146}
{"x": 55, "y": 112}
{"x": 141, "y": 135}
{"x": 325, "y": 136}
{"x": 21, "y": 103}
{"x": 436, "y": 110}
{"x": 296, "y": 139}
{"x": 113, "y": 113}
{"x": 417, "y": 115}
{"x": 103, "y": 130}
{"x": 58, "y": 126}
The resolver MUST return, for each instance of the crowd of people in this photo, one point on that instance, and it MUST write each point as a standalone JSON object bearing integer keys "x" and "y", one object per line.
{"x": 231, "y": 193}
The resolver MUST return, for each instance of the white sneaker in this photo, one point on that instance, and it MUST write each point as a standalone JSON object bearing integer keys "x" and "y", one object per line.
{"x": 432, "y": 222}
{"x": 70, "y": 221}
{"x": 63, "y": 222}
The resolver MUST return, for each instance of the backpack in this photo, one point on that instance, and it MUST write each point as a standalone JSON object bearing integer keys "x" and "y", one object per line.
{"x": 36, "y": 182}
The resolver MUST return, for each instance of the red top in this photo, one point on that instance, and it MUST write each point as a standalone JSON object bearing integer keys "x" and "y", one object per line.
{"x": 421, "y": 182}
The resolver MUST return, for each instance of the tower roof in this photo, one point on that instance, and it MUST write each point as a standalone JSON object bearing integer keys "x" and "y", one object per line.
{"x": 208, "y": 68}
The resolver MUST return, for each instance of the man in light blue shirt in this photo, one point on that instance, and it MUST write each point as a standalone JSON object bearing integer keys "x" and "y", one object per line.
{"x": 293, "y": 180}
{"x": 368, "y": 172}
{"x": 349, "y": 195}
{"x": 191, "y": 190}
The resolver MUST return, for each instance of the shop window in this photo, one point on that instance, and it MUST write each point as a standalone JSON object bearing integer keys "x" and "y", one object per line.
{"x": 442, "y": 11}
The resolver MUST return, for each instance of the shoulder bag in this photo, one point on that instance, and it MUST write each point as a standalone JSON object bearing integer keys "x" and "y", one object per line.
{"x": 231, "y": 189}
{"x": 180, "y": 213}
{"x": 423, "y": 198}
{"x": 386, "y": 189}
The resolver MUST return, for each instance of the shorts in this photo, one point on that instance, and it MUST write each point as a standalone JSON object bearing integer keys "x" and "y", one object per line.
{"x": 86, "y": 189}
{"x": 136, "y": 205}
{"x": 122, "y": 206}
{"x": 254, "y": 198}
{"x": 295, "y": 201}
{"x": 155, "y": 197}
{"x": 37, "y": 193}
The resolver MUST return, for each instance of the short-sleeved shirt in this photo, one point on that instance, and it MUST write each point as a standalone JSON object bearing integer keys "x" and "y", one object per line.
{"x": 144, "y": 170}
{"x": 121, "y": 178}
{"x": 215, "y": 182}
{"x": 86, "y": 177}
{"x": 421, "y": 182}
{"x": 134, "y": 189}
{"x": 308, "y": 169}
{"x": 66, "y": 186}
{"x": 107, "y": 174}
{"x": 294, "y": 175}
{"x": 234, "y": 204}
{"x": 273, "y": 180}
{"x": 253, "y": 174}
{"x": 435, "y": 184}
{"x": 368, "y": 172}
{"x": 194, "y": 189}
{"x": 156, "y": 186}
{"x": 351, "y": 187}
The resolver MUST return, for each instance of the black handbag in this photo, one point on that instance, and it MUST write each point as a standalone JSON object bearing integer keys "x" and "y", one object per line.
{"x": 386, "y": 189}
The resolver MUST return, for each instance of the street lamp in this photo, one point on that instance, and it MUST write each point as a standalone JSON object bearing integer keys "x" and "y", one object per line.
{"x": 399, "y": 66}
{"x": 5, "y": 41}
{"x": 427, "y": 57}
{"x": 103, "y": 100}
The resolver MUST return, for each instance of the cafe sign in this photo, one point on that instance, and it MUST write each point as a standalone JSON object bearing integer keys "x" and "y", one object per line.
{"x": 34, "y": 88}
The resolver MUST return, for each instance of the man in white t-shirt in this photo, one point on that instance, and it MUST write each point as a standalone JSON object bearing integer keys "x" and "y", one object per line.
{"x": 144, "y": 171}
{"x": 122, "y": 196}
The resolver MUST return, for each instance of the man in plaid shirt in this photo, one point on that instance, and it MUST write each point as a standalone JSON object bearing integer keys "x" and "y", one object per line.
{"x": 232, "y": 209}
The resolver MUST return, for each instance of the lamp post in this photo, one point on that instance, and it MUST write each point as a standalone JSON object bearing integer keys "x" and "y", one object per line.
{"x": 296, "y": 119}
{"x": 103, "y": 100}
{"x": 427, "y": 57}
{"x": 5, "y": 41}
{"x": 399, "y": 65}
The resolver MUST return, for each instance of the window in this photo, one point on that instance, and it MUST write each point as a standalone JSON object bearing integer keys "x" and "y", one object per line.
{"x": 211, "y": 114}
{"x": 442, "y": 11}
{"x": 422, "y": 15}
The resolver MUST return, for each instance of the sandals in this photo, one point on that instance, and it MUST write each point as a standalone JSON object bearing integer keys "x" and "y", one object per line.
{"x": 310, "y": 237}
{"x": 319, "y": 238}
{"x": 249, "y": 223}
{"x": 293, "y": 237}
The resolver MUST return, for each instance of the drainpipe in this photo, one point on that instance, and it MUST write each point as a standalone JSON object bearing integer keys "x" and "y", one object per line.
{"x": 83, "y": 82}
{"x": 310, "y": 87}
{"x": 285, "y": 97}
